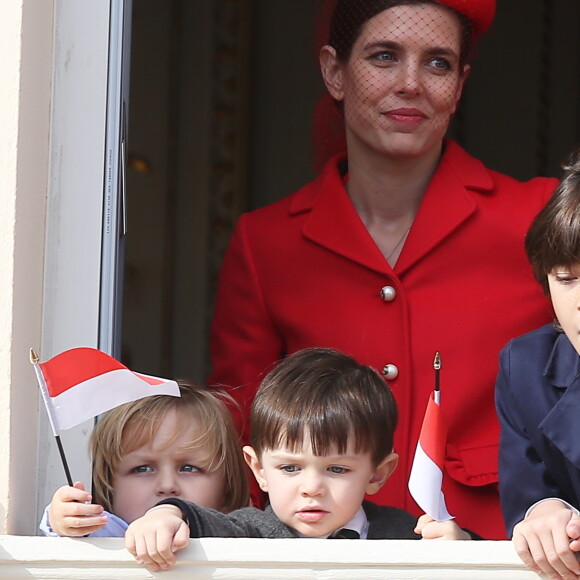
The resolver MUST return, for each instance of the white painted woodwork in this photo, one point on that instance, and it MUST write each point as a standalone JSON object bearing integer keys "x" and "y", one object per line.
{"x": 74, "y": 215}
{"x": 253, "y": 559}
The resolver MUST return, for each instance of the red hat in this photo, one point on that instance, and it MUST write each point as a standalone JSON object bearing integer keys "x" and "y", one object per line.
{"x": 480, "y": 12}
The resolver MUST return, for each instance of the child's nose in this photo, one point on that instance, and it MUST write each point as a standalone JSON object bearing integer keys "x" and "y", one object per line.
{"x": 168, "y": 484}
{"x": 311, "y": 485}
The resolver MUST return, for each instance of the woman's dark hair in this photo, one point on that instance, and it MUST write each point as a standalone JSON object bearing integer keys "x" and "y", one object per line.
{"x": 349, "y": 17}
{"x": 324, "y": 396}
{"x": 554, "y": 236}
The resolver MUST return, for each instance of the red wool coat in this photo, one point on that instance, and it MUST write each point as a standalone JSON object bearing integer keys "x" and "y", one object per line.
{"x": 305, "y": 272}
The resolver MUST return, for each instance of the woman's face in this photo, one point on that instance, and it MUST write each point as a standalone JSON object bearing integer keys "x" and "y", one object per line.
{"x": 402, "y": 82}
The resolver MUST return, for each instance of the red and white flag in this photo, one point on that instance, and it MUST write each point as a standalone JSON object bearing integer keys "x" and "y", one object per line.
{"x": 427, "y": 470}
{"x": 81, "y": 383}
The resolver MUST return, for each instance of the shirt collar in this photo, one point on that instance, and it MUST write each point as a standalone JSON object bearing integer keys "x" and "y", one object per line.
{"x": 359, "y": 523}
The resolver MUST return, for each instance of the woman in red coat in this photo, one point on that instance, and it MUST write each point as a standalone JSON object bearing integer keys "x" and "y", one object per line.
{"x": 403, "y": 247}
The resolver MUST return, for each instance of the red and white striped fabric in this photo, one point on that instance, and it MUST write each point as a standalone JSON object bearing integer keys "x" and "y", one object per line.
{"x": 426, "y": 475}
{"x": 81, "y": 383}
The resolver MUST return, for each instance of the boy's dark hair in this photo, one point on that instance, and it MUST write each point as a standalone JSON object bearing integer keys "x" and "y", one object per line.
{"x": 324, "y": 396}
{"x": 554, "y": 236}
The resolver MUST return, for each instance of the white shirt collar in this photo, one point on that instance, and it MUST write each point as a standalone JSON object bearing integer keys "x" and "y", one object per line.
{"x": 359, "y": 523}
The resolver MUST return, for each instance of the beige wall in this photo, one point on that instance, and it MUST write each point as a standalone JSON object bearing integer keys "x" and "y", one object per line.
{"x": 52, "y": 119}
{"x": 26, "y": 48}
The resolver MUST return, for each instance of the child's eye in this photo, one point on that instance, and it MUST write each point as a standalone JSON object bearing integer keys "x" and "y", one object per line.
{"x": 142, "y": 469}
{"x": 338, "y": 470}
{"x": 289, "y": 468}
{"x": 564, "y": 278}
{"x": 190, "y": 469}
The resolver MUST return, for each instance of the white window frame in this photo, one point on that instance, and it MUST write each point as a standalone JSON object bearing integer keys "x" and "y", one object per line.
{"x": 80, "y": 285}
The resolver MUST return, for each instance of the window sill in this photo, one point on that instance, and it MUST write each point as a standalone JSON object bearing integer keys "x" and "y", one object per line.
{"x": 243, "y": 559}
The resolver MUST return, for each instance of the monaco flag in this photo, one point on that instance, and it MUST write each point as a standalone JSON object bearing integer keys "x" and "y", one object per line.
{"x": 81, "y": 383}
{"x": 427, "y": 470}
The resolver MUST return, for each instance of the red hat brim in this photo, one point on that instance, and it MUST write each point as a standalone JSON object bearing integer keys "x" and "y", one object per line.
{"x": 480, "y": 12}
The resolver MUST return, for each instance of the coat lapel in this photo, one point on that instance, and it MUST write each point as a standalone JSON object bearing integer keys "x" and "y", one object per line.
{"x": 334, "y": 224}
{"x": 448, "y": 203}
{"x": 561, "y": 425}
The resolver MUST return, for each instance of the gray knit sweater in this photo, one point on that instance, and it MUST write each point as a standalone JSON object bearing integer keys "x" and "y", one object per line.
{"x": 250, "y": 522}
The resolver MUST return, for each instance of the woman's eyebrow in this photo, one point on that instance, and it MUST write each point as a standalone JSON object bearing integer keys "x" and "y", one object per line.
{"x": 442, "y": 51}
{"x": 393, "y": 45}
{"x": 383, "y": 44}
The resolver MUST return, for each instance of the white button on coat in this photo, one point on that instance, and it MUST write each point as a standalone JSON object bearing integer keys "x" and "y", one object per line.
{"x": 390, "y": 371}
{"x": 388, "y": 293}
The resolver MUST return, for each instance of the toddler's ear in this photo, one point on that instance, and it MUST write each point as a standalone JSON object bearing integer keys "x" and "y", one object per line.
{"x": 255, "y": 465}
{"x": 382, "y": 472}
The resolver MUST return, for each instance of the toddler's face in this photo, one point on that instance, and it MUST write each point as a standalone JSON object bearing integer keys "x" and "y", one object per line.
{"x": 317, "y": 495}
{"x": 160, "y": 469}
{"x": 564, "y": 284}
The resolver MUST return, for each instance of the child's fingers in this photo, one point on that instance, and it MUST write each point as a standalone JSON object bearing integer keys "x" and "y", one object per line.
{"x": 154, "y": 550}
{"x": 162, "y": 552}
{"x": 563, "y": 560}
{"x": 86, "y": 530}
{"x": 573, "y": 528}
{"x": 181, "y": 538}
{"x": 136, "y": 542}
{"x": 542, "y": 541}
{"x": 83, "y": 523}
{"x": 69, "y": 508}
{"x": 422, "y": 522}
{"x": 151, "y": 538}
{"x": 447, "y": 530}
{"x": 137, "y": 545}
{"x": 130, "y": 543}
{"x": 80, "y": 510}
{"x": 528, "y": 553}
{"x": 430, "y": 531}
{"x": 81, "y": 526}
{"x": 547, "y": 554}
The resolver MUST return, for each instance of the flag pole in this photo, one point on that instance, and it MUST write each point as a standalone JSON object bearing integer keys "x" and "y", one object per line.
{"x": 63, "y": 459}
{"x": 426, "y": 476}
{"x": 437, "y": 367}
{"x": 47, "y": 403}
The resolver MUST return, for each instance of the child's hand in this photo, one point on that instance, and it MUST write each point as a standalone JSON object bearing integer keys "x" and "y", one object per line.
{"x": 547, "y": 540}
{"x": 154, "y": 538}
{"x": 433, "y": 530}
{"x": 71, "y": 513}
